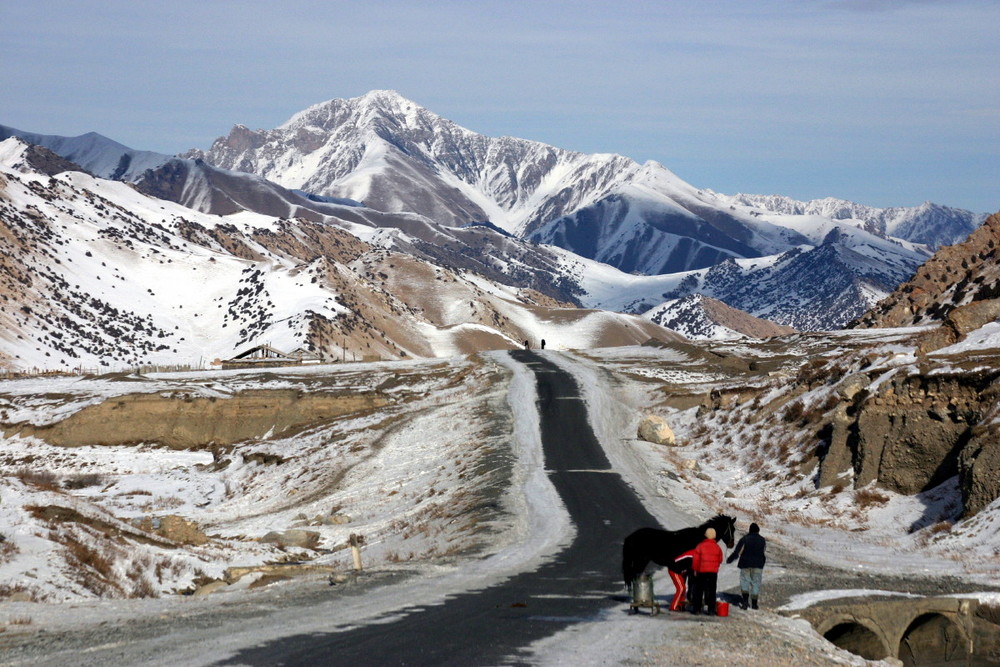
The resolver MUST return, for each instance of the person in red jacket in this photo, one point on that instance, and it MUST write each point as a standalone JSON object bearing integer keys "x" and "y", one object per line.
{"x": 705, "y": 563}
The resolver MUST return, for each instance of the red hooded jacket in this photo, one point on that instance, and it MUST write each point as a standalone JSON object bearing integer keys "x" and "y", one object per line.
{"x": 707, "y": 556}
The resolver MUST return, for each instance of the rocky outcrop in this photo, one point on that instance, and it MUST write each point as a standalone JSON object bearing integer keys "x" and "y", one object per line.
{"x": 916, "y": 431}
{"x": 174, "y": 528}
{"x": 303, "y": 539}
{"x": 656, "y": 430}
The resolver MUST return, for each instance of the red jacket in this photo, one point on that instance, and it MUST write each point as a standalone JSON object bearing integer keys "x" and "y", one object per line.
{"x": 707, "y": 556}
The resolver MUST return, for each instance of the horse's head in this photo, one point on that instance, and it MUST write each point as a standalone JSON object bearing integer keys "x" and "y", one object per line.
{"x": 725, "y": 529}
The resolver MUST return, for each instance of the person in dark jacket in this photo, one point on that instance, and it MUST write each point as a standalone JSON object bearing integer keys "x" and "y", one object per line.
{"x": 706, "y": 560}
{"x": 750, "y": 551}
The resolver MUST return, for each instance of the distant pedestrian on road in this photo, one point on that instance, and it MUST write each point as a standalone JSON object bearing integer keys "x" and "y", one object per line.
{"x": 750, "y": 551}
{"x": 543, "y": 343}
{"x": 706, "y": 562}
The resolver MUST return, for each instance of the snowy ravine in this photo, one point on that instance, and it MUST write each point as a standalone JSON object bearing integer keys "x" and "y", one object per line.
{"x": 538, "y": 527}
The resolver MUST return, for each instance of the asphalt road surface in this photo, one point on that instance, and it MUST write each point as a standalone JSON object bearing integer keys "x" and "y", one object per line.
{"x": 493, "y": 626}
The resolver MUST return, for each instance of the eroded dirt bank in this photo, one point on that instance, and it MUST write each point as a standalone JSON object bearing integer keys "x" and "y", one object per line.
{"x": 180, "y": 421}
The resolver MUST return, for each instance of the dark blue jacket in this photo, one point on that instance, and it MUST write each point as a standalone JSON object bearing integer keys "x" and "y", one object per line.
{"x": 750, "y": 550}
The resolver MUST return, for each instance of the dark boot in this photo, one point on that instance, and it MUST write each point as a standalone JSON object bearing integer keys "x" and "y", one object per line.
{"x": 753, "y": 604}
{"x": 745, "y": 602}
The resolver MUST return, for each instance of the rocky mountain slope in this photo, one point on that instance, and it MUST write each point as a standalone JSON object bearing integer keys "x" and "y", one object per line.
{"x": 958, "y": 288}
{"x": 96, "y": 274}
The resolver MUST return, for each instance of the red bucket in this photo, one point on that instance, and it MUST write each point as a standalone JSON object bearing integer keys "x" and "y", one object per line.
{"x": 722, "y": 608}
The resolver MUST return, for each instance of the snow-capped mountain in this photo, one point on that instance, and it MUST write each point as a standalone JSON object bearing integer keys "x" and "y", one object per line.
{"x": 509, "y": 209}
{"x": 96, "y": 275}
{"x": 94, "y": 152}
{"x": 396, "y": 156}
{"x": 930, "y": 224}
{"x": 657, "y": 223}
{"x": 701, "y": 317}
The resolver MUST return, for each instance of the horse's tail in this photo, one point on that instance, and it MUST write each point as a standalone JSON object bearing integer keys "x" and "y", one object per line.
{"x": 629, "y": 569}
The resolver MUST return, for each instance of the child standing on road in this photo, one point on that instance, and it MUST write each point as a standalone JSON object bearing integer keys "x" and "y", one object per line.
{"x": 705, "y": 563}
{"x": 750, "y": 551}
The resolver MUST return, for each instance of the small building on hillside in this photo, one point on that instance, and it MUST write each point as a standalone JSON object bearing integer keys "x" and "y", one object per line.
{"x": 262, "y": 356}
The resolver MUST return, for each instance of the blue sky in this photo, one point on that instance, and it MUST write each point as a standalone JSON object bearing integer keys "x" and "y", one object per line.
{"x": 888, "y": 103}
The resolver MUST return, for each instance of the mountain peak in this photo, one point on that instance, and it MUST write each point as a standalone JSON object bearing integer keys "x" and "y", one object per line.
{"x": 384, "y": 104}
{"x": 384, "y": 97}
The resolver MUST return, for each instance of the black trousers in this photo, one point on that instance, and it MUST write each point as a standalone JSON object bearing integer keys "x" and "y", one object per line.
{"x": 703, "y": 590}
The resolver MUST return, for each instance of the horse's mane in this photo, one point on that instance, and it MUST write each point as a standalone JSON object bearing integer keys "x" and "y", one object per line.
{"x": 716, "y": 520}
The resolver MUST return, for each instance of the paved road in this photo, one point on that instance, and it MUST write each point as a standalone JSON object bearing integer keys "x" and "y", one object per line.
{"x": 493, "y": 626}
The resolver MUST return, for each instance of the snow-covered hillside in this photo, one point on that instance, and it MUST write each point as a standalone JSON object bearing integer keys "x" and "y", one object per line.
{"x": 703, "y": 318}
{"x": 98, "y": 275}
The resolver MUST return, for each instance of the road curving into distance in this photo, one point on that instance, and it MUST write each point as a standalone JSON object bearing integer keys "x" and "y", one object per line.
{"x": 497, "y": 624}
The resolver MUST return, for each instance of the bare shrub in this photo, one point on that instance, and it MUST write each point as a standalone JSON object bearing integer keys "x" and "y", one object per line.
{"x": 83, "y": 480}
{"x": 43, "y": 479}
{"x": 7, "y": 549}
{"x": 142, "y": 587}
{"x": 817, "y": 411}
{"x": 95, "y": 566}
{"x": 940, "y": 527}
{"x": 10, "y": 590}
{"x": 19, "y": 620}
{"x": 169, "y": 502}
{"x": 793, "y": 412}
{"x": 867, "y": 497}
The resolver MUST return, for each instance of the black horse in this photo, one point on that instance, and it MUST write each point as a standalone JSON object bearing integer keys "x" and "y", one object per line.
{"x": 663, "y": 546}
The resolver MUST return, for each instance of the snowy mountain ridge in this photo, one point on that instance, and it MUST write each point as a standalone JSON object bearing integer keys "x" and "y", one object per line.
{"x": 931, "y": 224}
{"x": 96, "y": 153}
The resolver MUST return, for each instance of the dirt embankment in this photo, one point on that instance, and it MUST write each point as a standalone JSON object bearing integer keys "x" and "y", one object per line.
{"x": 184, "y": 422}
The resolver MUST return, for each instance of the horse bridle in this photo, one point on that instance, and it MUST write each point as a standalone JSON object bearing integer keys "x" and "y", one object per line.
{"x": 730, "y": 531}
